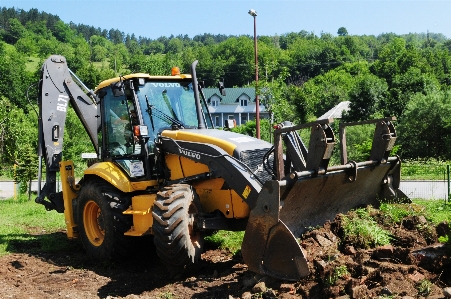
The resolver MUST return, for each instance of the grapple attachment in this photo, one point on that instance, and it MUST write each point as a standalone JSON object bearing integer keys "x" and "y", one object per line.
{"x": 312, "y": 193}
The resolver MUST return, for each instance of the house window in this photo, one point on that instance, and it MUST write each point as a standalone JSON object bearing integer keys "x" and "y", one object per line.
{"x": 243, "y": 102}
{"x": 217, "y": 124}
{"x": 214, "y": 103}
{"x": 243, "y": 119}
{"x": 230, "y": 117}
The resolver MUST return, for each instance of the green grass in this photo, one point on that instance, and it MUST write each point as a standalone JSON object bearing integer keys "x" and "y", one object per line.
{"x": 166, "y": 295}
{"x": 429, "y": 169}
{"x": 339, "y": 272}
{"x": 424, "y": 287}
{"x": 396, "y": 212}
{"x": 228, "y": 240}
{"x": 26, "y": 226}
{"x": 363, "y": 231}
{"x": 436, "y": 211}
{"x": 32, "y": 64}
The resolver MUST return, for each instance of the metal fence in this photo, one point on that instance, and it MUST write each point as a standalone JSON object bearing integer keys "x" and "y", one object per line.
{"x": 426, "y": 181}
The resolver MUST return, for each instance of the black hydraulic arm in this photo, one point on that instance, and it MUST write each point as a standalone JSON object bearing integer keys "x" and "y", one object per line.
{"x": 56, "y": 90}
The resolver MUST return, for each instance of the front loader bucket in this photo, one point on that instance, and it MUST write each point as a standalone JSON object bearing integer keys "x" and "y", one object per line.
{"x": 314, "y": 193}
{"x": 312, "y": 201}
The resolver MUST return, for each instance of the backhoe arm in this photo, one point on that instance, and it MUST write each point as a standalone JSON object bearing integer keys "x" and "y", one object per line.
{"x": 56, "y": 90}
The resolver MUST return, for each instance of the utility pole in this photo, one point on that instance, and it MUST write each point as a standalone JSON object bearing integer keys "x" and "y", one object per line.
{"x": 253, "y": 13}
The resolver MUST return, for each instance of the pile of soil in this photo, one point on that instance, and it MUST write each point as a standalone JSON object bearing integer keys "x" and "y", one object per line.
{"x": 414, "y": 266}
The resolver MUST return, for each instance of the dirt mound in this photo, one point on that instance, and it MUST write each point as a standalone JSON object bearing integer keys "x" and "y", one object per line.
{"x": 413, "y": 265}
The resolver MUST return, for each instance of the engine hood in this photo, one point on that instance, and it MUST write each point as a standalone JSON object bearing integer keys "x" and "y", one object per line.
{"x": 232, "y": 143}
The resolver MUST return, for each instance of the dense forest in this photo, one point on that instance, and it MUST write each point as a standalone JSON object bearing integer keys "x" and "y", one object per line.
{"x": 302, "y": 75}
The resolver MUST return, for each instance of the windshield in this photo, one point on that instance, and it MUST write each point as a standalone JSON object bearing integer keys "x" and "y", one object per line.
{"x": 161, "y": 105}
{"x": 168, "y": 103}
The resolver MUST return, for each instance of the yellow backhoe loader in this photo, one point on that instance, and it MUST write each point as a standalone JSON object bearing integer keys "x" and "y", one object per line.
{"x": 161, "y": 168}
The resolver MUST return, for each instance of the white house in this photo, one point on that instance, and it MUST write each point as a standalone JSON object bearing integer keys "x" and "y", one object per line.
{"x": 237, "y": 104}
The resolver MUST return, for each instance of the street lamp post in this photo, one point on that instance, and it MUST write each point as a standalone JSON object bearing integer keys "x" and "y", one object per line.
{"x": 253, "y": 13}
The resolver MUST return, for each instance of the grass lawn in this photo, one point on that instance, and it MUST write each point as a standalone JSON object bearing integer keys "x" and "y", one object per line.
{"x": 26, "y": 226}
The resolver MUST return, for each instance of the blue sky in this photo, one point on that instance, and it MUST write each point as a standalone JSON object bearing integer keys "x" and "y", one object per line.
{"x": 155, "y": 18}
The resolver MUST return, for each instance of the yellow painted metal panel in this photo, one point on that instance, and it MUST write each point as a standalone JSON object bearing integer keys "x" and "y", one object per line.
{"x": 215, "y": 184}
{"x": 113, "y": 174}
{"x": 173, "y": 163}
{"x": 212, "y": 200}
{"x": 68, "y": 180}
{"x": 240, "y": 207}
{"x": 140, "y": 75}
{"x": 191, "y": 167}
{"x": 142, "y": 217}
{"x": 191, "y": 135}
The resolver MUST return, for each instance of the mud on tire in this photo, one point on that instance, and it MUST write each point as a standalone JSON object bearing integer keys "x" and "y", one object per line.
{"x": 101, "y": 223}
{"x": 176, "y": 240}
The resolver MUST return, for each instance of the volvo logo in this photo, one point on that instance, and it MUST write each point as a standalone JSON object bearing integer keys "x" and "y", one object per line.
{"x": 165, "y": 84}
{"x": 189, "y": 154}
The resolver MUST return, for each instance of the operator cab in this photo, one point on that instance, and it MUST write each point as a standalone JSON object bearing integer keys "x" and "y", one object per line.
{"x": 135, "y": 109}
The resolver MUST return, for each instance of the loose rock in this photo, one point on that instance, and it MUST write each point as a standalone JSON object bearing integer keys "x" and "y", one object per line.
{"x": 246, "y": 295}
{"x": 350, "y": 250}
{"x": 259, "y": 287}
{"x": 416, "y": 276}
{"x": 323, "y": 242}
{"x": 442, "y": 229}
{"x": 447, "y": 292}
{"x": 385, "y": 251}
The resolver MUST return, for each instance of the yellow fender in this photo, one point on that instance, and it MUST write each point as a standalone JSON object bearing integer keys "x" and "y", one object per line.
{"x": 113, "y": 174}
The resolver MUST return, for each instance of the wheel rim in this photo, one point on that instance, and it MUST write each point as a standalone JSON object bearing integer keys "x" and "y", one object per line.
{"x": 194, "y": 235}
{"x": 92, "y": 218}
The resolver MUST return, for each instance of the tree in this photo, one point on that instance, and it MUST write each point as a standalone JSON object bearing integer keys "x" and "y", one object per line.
{"x": 14, "y": 31}
{"x": 27, "y": 169}
{"x": 47, "y": 47}
{"x": 153, "y": 47}
{"x": 119, "y": 57}
{"x": 321, "y": 93}
{"x": 14, "y": 78}
{"x": 73, "y": 147}
{"x": 19, "y": 141}
{"x": 275, "y": 96}
{"x": 27, "y": 45}
{"x": 405, "y": 85}
{"x": 342, "y": 31}
{"x": 425, "y": 129}
{"x": 250, "y": 128}
{"x": 236, "y": 58}
{"x": 99, "y": 53}
{"x": 365, "y": 96}
{"x": 154, "y": 65}
{"x": 62, "y": 32}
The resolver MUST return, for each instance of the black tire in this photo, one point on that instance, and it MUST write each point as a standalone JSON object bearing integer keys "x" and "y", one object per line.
{"x": 101, "y": 224}
{"x": 176, "y": 241}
